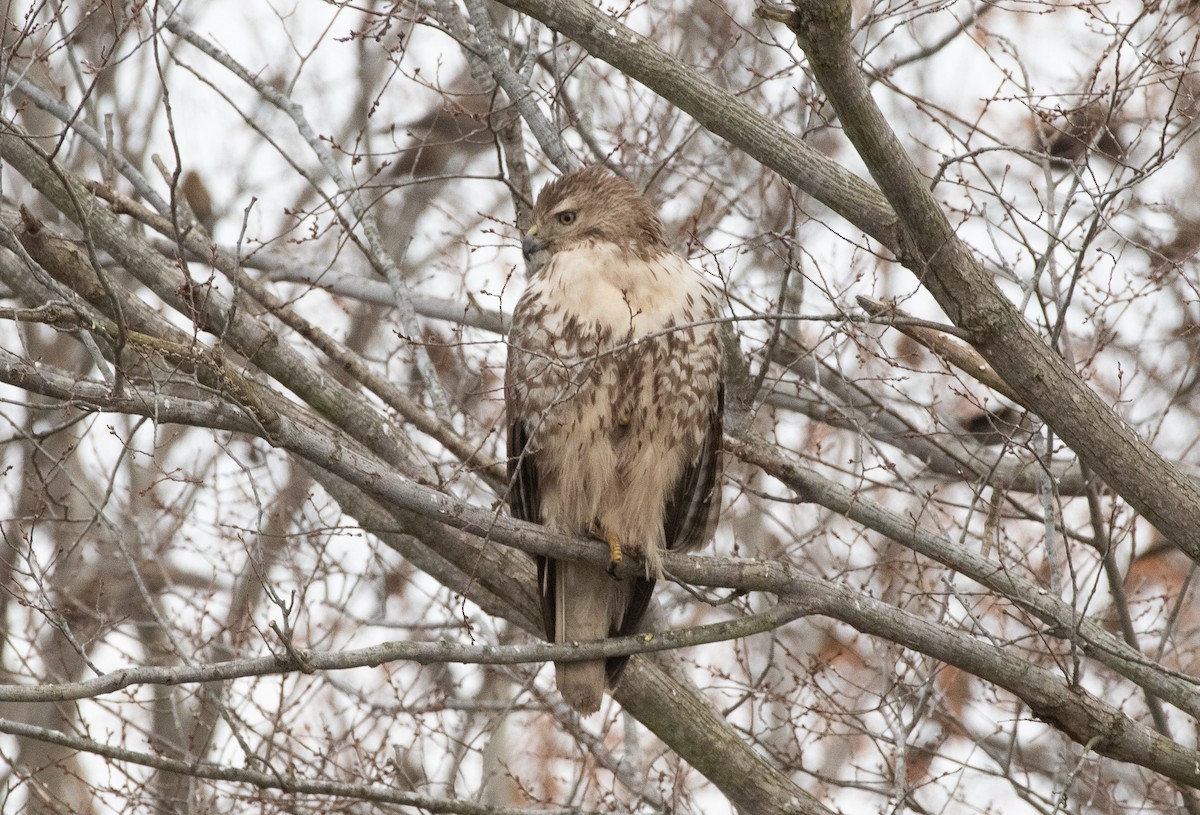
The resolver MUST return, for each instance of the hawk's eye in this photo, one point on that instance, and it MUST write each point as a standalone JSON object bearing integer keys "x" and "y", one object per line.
{"x": 567, "y": 218}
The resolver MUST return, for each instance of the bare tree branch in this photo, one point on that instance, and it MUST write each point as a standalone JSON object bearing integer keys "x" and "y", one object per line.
{"x": 268, "y": 780}
{"x": 422, "y": 653}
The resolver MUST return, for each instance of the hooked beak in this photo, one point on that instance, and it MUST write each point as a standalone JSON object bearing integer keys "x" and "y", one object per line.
{"x": 531, "y": 244}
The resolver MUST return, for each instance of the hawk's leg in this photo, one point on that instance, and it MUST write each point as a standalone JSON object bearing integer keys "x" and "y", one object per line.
{"x": 614, "y": 545}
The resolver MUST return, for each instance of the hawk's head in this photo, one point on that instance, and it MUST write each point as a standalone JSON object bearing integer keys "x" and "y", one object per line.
{"x": 588, "y": 206}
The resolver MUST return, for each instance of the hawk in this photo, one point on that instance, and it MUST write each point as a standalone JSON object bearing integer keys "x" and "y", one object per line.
{"x": 614, "y": 399}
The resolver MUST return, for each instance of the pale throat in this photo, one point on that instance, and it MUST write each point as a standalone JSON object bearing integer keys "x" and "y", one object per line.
{"x": 604, "y": 285}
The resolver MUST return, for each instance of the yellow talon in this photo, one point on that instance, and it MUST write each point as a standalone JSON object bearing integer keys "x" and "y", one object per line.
{"x": 614, "y": 551}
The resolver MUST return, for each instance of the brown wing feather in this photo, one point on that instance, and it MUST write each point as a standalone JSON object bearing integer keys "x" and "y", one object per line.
{"x": 693, "y": 505}
{"x": 524, "y": 502}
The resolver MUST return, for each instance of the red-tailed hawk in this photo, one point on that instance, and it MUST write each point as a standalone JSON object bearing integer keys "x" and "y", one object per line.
{"x": 615, "y": 401}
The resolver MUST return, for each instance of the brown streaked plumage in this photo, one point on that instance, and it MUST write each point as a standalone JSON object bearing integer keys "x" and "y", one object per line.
{"x": 615, "y": 405}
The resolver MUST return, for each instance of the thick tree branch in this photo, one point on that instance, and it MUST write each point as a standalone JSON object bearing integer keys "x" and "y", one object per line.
{"x": 702, "y": 736}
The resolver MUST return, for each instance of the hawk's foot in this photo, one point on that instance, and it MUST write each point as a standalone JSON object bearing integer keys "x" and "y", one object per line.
{"x": 614, "y": 552}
